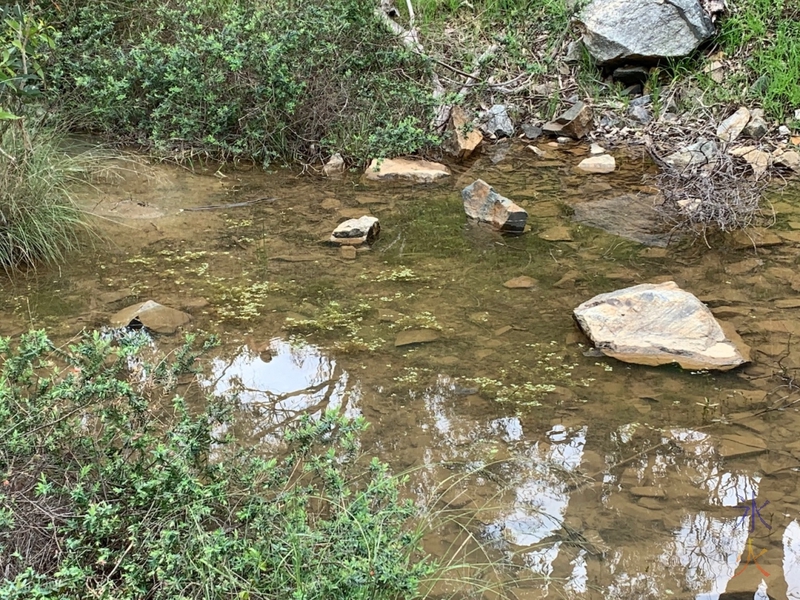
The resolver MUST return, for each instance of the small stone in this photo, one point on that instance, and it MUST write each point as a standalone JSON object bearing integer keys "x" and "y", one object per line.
{"x": 562, "y": 139}
{"x": 415, "y": 336}
{"x": 499, "y": 124}
{"x": 641, "y": 101}
{"x": 598, "y": 164}
{"x": 354, "y": 232}
{"x": 784, "y": 130}
{"x": 757, "y": 127}
{"x": 523, "y": 282}
{"x": 641, "y": 114}
{"x": 502, "y": 330}
{"x": 348, "y": 252}
{"x": 334, "y": 166}
{"x": 790, "y": 158}
{"x": 577, "y": 121}
{"x": 556, "y": 234}
{"x": 537, "y": 151}
{"x": 757, "y": 237}
{"x": 596, "y": 149}
{"x": 531, "y": 132}
{"x": 732, "y": 127}
{"x": 759, "y": 160}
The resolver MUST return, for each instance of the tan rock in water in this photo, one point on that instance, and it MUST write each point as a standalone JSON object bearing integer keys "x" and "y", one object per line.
{"x": 656, "y": 324}
{"x": 152, "y": 315}
{"x": 483, "y": 203}
{"x": 417, "y": 171}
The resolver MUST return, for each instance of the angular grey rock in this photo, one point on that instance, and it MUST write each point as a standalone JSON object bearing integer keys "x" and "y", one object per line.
{"x": 355, "y": 232}
{"x": 699, "y": 153}
{"x": 656, "y": 324}
{"x": 499, "y": 123}
{"x": 641, "y": 100}
{"x": 482, "y": 203}
{"x": 641, "y": 114}
{"x": 531, "y": 131}
{"x": 632, "y": 30}
{"x": 757, "y": 127}
{"x": 151, "y": 315}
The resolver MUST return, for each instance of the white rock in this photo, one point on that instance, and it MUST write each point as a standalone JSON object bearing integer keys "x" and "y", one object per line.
{"x": 334, "y": 166}
{"x": 784, "y": 130}
{"x": 656, "y": 324}
{"x": 355, "y": 232}
{"x": 596, "y": 149}
{"x": 418, "y": 171}
{"x": 604, "y": 163}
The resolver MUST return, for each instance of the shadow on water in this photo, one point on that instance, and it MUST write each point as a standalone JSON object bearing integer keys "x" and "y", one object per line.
{"x": 580, "y": 476}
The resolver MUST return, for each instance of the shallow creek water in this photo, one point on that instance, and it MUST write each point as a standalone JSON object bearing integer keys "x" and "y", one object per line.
{"x": 580, "y": 476}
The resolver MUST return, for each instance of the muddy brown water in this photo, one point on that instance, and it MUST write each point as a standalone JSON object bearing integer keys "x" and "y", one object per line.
{"x": 578, "y": 476}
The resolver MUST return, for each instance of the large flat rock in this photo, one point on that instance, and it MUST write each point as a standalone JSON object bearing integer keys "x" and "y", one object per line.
{"x": 656, "y": 324}
{"x": 634, "y": 30}
{"x": 404, "y": 169}
{"x": 152, "y": 315}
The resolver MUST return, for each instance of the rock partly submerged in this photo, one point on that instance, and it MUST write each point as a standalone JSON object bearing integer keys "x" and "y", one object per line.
{"x": 484, "y": 204}
{"x": 657, "y": 324}
{"x": 404, "y": 169}
{"x": 151, "y": 315}
{"x": 355, "y": 232}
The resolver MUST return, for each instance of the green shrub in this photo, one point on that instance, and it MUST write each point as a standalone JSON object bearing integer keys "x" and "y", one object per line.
{"x": 261, "y": 78}
{"x": 114, "y": 488}
{"x": 768, "y": 31}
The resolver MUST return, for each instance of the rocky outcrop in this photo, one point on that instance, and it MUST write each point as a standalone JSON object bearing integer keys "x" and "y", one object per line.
{"x": 355, "y": 232}
{"x": 482, "y": 203}
{"x": 151, "y": 315}
{"x": 620, "y": 31}
{"x": 417, "y": 171}
{"x": 656, "y": 324}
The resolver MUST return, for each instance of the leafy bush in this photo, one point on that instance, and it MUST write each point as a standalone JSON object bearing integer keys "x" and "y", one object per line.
{"x": 111, "y": 488}
{"x": 243, "y": 77}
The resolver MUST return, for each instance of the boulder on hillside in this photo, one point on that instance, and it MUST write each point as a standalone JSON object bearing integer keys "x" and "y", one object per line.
{"x": 482, "y": 203}
{"x": 656, "y": 324}
{"x": 417, "y": 171}
{"x": 619, "y": 31}
{"x": 151, "y": 315}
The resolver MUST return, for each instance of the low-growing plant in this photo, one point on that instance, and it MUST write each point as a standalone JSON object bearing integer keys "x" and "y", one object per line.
{"x": 114, "y": 486}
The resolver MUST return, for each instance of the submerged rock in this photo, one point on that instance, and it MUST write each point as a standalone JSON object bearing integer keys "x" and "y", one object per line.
{"x": 418, "y": 171}
{"x": 656, "y": 324}
{"x": 523, "y": 282}
{"x": 634, "y": 30}
{"x": 415, "y": 336}
{"x": 355, "y": 232}
{"x": 151, "y": 315}
{"x": 482, "y": 203}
